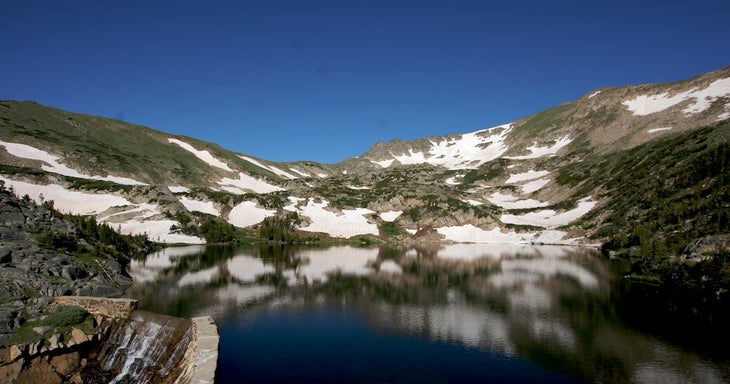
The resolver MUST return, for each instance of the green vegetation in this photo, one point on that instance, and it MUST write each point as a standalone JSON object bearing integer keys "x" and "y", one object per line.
{"x": 665, "y": 194}
{"x": 61, "y": 321}
{"x": 64, "y": 316}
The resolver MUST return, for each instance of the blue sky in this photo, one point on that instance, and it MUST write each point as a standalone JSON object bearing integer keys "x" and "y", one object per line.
{"x": 324, "y": 80}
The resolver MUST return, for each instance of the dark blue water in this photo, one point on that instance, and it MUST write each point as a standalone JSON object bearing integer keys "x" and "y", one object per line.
{"x": 332, "y": 345}
{"x": 457, "y": 314}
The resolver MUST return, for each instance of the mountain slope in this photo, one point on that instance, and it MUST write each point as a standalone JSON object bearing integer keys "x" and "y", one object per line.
{"x": 546, "y": 178}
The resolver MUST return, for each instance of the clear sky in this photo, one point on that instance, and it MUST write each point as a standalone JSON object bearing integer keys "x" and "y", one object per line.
{"x": 324, "y": 80}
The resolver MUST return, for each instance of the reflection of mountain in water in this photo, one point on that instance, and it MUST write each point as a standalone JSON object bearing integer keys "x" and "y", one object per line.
{"x": 559, "y": 306}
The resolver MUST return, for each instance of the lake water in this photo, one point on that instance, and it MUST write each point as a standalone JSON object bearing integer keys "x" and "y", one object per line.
{"x": 460, "y": 313}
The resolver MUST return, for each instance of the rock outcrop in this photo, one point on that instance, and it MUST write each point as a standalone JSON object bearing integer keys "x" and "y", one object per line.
{"x": 32, "y": 273}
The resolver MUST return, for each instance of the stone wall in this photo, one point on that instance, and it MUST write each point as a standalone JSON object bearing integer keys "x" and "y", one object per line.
{"x": 60, "y": 358}
{"x": 100, "y": 305}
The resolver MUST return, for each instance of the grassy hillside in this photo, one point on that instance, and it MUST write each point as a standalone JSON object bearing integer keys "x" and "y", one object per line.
{"x": 102, "y": 146}
{"x": 659, "y": 197}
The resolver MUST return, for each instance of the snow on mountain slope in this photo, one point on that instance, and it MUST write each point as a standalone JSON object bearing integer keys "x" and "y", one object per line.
{"x": 64, "y": 200}
{"x": 199, "y": 206}
{"x": 203, "y": 155}
{"x": 548, "y": 218}
{"x": 245, "y": 183}
{"x": 130, "y": 218}
{"x": 247, "y": 214}
{"x": 466, "y": 151}
{"x": 271, "y": 168}
{"x": 345, "y": 224}
{"x": 537, "y": 151}
{"x": 53, "y": 163}
{"x": 643, "y": 105}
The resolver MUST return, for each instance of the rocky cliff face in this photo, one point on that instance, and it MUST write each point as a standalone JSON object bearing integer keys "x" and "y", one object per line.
{"x": 32, "y": 272}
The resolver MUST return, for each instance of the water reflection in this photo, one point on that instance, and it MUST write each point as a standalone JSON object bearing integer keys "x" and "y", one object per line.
{"x": 556, "y": 306}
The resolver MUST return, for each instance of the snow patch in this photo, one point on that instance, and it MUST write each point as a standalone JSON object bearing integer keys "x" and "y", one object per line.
{"x": 247, "y": 214}
{"x": 383, "y": 163}
{"x": 199, "y": 206}
{"x": 53, "y": 164}
{"x": 592, "y": 95}
{"x": 537, "y": 151}
{"x": 647, "y": 104}
{"x": 548, "y": 218}
{"x": 158, "y": 230}
{"x": 653, "y": 130}
{"x": 246, "y": 182}
{"x": 472, "y": 234}
{"x": 529, "y": 175}
{"x": 64, "y": 200}
{"x": 452, "y": 180}
{"x": 534, "y": 185}
{"x": 178, "y": 189}
{"x": 203, "y": 155}
{"x": 390, "y": 215}
{"x": 467, "y": 151}
{"x": 348, "y": 223}
{"x": 513, "y": 202}
{"x": 303, "y": 174}
{"x": 271, "y": 168}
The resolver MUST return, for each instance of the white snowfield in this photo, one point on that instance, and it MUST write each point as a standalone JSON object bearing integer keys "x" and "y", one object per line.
{"x": 390, "y": 215}
{"x": 247, "y": 214}
{"x": 548, "y": 218}
{"x": 245, "y": 183}
{"x": 345, "y": 224}
{"x": 654, "y": 130}
{"x": 157, "y": 230}
{"x": 471, "y": 234}
{"x": 64, "y": 200}
{"x": 513, "y": 202}
{"x": 702, "y": 99}
{"x": 53, "y": 163}
{"x": 468, "y": 151}
{"x": 271, "y": 168}
{"x": 302, "y": 173}
{"x": 199, "y": 206}
{"x": 534, "y": 185}
{"x": 81, "y": 203}
{"x": 529, "y": 175}
{"x": 178, "y": 189}
{"x": 203, "y": 155}
{"x": 537, "y": 151}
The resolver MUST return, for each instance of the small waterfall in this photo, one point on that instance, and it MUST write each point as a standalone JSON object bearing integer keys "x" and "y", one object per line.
{"x": 146, "y": 348}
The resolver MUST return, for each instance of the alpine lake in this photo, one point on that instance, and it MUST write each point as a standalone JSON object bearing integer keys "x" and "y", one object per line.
{"x": 459, "y": 313}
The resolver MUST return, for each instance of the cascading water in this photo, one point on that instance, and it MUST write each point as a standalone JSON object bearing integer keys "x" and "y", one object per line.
{"x": 146, "y": 348}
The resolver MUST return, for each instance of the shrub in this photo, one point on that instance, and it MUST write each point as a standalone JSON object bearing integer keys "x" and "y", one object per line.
{"x": 65, "y": 316}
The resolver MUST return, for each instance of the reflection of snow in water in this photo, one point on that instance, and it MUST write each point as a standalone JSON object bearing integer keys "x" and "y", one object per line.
{"x": 390, "y": 266}
{"x": 148, "y": 269}
{"x": 198, "y": 277}
{"x": 467, "y": 325}
{"x": 247, "y": 269}
{"x": 243, "y": 295}
{"x": 346, "y": 260}
{"x": 471, "y": 252}
{"x": 549, "y": 268}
